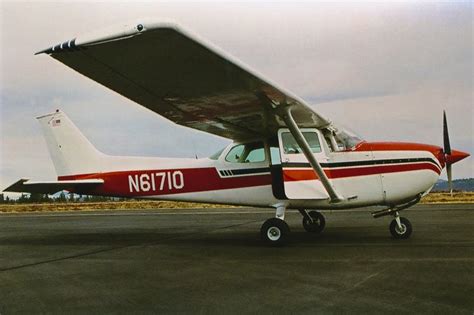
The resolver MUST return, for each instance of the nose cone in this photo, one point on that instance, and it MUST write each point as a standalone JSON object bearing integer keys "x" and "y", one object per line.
{"x": 456, "y": 156}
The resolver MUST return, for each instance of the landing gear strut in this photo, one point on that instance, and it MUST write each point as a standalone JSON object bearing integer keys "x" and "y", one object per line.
{"x": 313, "y": 221}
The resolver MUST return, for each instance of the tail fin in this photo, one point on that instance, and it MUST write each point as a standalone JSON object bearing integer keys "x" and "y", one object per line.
{"x": 70, "y": 150}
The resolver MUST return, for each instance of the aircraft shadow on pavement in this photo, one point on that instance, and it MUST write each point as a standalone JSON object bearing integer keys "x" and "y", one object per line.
{"x": 352, "y": 236}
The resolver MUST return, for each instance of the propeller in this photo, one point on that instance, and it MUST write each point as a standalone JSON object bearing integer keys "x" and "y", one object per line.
{"x": 450, "y": 156}
{"x": 447, "y": 145}
{"x": 447, "y": 152}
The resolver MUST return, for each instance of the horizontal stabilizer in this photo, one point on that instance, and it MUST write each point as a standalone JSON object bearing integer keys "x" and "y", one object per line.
{"x": 51, "y": 187}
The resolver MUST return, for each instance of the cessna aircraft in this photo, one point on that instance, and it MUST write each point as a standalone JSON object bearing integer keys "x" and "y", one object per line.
{"x": 284, "y": 154}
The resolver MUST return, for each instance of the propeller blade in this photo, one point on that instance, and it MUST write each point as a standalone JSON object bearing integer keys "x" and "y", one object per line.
{"x": 447, "y": 145}
{"x": 450, "y": 178}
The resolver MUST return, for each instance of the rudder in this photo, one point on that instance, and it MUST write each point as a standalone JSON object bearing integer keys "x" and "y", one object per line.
{"x": 70, "y": 150}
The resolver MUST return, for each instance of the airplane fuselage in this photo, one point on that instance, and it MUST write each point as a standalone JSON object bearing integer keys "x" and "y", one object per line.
{"x": 371, "y": 174}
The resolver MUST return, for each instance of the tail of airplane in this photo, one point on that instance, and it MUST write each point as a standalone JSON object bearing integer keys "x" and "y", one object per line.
{"x": 71, "y": 152}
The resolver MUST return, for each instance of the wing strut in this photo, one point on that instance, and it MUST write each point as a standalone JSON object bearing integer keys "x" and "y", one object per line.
{"x": 296, "y": 132}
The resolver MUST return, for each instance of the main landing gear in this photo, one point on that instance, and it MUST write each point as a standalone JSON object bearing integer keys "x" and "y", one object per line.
{"x": 313, "y": 221}
{"x": 275, "y": 231}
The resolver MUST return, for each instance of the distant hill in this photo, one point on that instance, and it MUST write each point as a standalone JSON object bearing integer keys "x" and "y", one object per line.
{"x": 465, "y": 184}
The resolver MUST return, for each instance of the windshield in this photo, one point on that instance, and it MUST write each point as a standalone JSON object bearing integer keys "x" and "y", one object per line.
{"x": 348, "y": 139}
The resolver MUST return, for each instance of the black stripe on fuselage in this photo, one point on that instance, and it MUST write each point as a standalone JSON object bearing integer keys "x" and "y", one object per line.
{"x": 247, "y": 171}
{"x": 363, "y": 163}
{"x": 253, "y": 171}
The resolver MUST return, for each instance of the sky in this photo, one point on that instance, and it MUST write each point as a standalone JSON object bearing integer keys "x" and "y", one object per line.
{"x": 384, "y": 69}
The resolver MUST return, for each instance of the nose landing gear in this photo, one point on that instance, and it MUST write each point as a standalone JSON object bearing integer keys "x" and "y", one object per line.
{"x": 400, "y": 227}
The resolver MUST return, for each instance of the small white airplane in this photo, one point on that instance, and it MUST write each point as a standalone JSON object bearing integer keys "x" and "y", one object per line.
{"x": 284, "y": 154}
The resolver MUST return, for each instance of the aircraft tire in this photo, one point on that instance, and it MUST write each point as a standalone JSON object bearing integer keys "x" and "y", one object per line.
{"x": 317, "y": 225}
{"x": 405, "y": 232}
{"x": 274, "y": 232}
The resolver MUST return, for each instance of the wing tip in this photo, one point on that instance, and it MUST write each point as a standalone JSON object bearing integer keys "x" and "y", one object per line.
{"x": 135, "y": 28}
{"x": 69, "y": 45}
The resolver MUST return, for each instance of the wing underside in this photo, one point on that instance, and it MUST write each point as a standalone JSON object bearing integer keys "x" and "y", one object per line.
{"x": 184, "y": 79}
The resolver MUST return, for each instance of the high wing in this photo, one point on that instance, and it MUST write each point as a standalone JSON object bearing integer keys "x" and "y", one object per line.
{"x": 184, "y": 79}
{"x": 51, "y": 187}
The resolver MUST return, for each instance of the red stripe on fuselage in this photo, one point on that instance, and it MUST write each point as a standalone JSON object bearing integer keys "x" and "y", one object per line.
{"x": 309, "y": 174}
{"x": 194, "y": 180}
{"x": 402, "y": 146}
{"x": 208, "y": 179}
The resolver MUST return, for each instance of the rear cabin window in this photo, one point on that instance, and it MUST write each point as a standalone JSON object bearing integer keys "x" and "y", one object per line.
{"x": 246, "y": 153}
{"x": 216, "y": 155}
{"x": 290, "y": 146}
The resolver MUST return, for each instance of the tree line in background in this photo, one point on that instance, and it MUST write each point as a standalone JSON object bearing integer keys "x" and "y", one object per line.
{"x": 61, "y": 197}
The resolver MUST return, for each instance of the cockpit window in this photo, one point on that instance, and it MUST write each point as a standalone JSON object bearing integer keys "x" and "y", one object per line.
{"x": 291, "y": 147}
{"x": 246, "y": 153}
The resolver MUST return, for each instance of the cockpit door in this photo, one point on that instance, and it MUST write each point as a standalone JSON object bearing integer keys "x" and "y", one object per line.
{"x": 299, "y": 179}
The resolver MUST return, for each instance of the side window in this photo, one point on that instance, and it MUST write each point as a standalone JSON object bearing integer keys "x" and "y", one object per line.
{"x": 246, "y": 153}
{"x": 256, "y": 155}
{"x": 291, "y": 147}
{"x": 235, "y": 153}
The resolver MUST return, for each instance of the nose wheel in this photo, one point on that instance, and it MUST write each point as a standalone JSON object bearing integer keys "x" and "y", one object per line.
{"x": 400, "y": 227}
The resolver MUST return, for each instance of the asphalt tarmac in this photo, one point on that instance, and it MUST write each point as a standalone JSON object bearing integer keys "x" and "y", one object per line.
{"x": 212, "y": 261}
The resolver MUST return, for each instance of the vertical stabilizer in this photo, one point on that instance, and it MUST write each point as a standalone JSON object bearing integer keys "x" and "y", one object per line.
{"x": 71, "y": 152}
